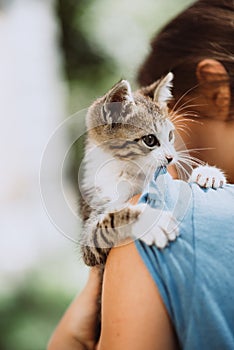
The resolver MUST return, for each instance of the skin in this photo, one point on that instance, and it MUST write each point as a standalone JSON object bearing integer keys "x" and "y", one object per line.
{"x": 133, "y": 313}
{"x": 220, "y": 142}
{"x": 213, "y": 129}
{"x": 149, "y": 327}
{"x": 134, "y": 316}
{"x": 76, "y": 329}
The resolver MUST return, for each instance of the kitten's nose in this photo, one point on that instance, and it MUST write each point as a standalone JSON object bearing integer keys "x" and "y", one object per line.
{"x": 169, "y": 159}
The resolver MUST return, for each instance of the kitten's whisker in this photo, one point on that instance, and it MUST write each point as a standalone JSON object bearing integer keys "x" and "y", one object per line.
{"x": 181, "y": 123}
{"x": 181, "y": 161}
{"x": 187, "y": 106}
{"x": 186, "y": 160}
{"x": 184, "y": 122}
{"x": 190, "y": 120}
{"x": 191, "y": 113}
{"x": 188, "y": 101}
{"x": 183, "y": 173}
{"x": 190, "y": 164}
{"x": 182, "y": 126}
{"x": 196, "y": 150}
{"x": 188, "y": 116}
{"x": 186, "y": 93}
{"x": 185, "y": 117}
{"x": 178, "y": 171}
{"x": 183, "y": 130}
{"x": 187, "y": 156}
{"x": 182, "y": 170}
{"x": 174, "y": 117}
{"x": 178, "y": 115}
{"x": 178, "y": 122}
{"x": 191, "y": 161}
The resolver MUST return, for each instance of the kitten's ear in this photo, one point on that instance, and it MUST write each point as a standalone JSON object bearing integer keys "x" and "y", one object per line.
{"x": 160, "y": 90}
{"x": 117, "y": 102}
{"x": 162, "y": 93}
{"x": 121, "y": 92}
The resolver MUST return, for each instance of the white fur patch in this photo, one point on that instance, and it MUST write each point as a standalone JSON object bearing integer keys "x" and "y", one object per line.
{"x": 155, "y": 226}
{"x": 129, "y": 95}
{"x": 208, "y": 177}
{"x": 108, "y": 176}
{"x": 101, "y": 171}
{"x": 163, "y": 91}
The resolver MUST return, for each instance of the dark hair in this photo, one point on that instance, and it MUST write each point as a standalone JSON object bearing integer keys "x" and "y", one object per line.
{"x": 204, "y": 30}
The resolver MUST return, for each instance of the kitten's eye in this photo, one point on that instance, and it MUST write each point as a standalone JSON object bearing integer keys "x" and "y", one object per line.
{"x": 150, "y": 141}
{"x": 171, "y": 135}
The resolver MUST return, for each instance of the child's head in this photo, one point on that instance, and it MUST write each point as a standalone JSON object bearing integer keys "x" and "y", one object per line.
{"x": 198, "y": 47}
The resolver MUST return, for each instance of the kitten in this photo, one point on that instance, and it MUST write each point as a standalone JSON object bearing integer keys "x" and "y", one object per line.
{"x": 129, "y": 136}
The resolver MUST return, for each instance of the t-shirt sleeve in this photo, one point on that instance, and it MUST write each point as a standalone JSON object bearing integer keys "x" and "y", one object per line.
{"x": 194, "y": 273}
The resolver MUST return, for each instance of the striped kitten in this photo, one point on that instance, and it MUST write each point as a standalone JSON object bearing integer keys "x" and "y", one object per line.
{"x": 129, "y": 136}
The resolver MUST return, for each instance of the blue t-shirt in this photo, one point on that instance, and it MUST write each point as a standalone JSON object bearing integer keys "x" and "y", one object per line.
{"x": 195, "y": 274}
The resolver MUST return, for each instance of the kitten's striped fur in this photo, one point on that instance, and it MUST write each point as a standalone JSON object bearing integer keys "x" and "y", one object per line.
{"x": 117, "y": 152}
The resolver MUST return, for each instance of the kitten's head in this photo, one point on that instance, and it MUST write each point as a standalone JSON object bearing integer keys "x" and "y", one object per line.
{"x": 134, "y": 126}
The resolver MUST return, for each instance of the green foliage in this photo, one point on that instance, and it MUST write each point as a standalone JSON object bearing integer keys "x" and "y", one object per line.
{"x": 83, "y": 60}
{"x": 104, "y": 41}
{"x": 29, "y": 315}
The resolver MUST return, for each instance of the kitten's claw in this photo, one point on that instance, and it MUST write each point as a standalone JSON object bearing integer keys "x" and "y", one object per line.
{"x": 156, "y": 226}
{"x": 208, "y": 177}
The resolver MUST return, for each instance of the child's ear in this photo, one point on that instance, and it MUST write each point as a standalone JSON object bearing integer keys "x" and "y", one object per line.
{"x": 214, "y": 86}
{"x": 160, "y": 90}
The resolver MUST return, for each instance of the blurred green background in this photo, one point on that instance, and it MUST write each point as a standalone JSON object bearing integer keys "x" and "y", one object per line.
{"x": 56, "y": 58}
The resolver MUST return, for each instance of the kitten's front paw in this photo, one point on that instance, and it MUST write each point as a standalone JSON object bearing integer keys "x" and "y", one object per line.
{"x": 208, "y": 177}
{"x": 156, "y": 227}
